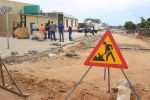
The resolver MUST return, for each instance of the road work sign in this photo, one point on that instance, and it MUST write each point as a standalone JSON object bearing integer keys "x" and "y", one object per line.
{"x": 106, "y": 54}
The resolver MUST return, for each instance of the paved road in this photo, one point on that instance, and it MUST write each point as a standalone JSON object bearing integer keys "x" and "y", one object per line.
{"x": 24, "y": 45}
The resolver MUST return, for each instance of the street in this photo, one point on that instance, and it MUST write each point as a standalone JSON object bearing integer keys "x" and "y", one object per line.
{"x": 52, "y": 78}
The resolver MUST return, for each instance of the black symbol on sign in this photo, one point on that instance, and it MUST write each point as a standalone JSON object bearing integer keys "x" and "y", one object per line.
{"x": 108, "y": 52}
{"x": 98, "y": 58}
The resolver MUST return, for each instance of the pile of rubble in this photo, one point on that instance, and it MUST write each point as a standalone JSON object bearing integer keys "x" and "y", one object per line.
{"x": 15, "y": 57}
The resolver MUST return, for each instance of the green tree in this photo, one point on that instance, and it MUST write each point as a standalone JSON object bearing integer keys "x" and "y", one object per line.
{"x": 93, "y": 20}
{"x": 144, "y": 23}
{"x": 142, "y": 19}
{"x": 147, "y": 24}
{"x": 148, "y": 19}
{"x": 129, "y": 25}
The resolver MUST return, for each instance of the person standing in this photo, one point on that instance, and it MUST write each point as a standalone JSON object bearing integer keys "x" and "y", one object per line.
{"x": 52, "y": 31}
{"x": 70, "y": 33}
{"x": 93, "y": 31}
{"x": 47, "y": 29}
{"x": 61, "y": 31}
{"x": 86, "y": 31}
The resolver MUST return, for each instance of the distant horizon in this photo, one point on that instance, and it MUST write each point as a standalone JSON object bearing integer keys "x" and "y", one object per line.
{"x": 111, "y": 12}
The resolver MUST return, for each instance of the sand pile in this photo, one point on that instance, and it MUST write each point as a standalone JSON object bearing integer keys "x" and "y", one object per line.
{"x": 22, "y": 33}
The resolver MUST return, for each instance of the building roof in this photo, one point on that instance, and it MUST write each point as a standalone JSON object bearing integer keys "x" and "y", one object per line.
{"x": 18, "y": 2}
{"x": 69, "y": 16}
{"x": 36, "y": 15}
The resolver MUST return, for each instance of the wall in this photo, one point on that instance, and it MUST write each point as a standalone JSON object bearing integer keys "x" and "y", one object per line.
{"x": 144, "y": 32}
{"x": 36, "y": 20}
{"x": 16, "y": 6}
{"x": 11, "y": 18}
{"x": 2, "y": 23}
{"x": 16, "y": 18}
{"x": 71, "y": 22}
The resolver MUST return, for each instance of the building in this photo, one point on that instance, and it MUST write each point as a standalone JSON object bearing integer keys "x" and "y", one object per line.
{"x": 56, "y": 17}
{"x": 68, "y": 20}
{"x": 17, "y": 7}
{"x": 13, "y": 15}
{"x": 25, "y": 15}
{"x": 18, "y": 16}
{"x": 72, "y": 21}
{"x": 30, "y": 20}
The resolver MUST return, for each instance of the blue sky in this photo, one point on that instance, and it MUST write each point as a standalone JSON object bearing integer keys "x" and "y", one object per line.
{"x": 113, "y": 12}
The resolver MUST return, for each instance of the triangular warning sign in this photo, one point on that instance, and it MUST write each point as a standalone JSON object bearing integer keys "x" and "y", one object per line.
{"x": 106, "y": 54}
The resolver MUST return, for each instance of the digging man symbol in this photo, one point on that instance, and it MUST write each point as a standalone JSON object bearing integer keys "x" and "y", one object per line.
{"x": 108, "y": 53}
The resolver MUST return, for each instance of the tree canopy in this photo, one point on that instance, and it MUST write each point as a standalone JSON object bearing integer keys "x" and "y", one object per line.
{"x": 148, "y": 19}
{"x": 144, "y": 23}
{"x": 129, "y": 25}
{"x": 93, "y": 20}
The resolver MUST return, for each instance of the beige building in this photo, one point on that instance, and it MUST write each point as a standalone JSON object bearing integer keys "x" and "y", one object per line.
{"x": 13, "y": 15}
{"x": 12, "y": 20}
{"x": 35, "y": 19}
{"x": 72, "y": 21}
{"x": 68, "y": 20}
{"x": 17, "y": 7}
{"x": 16, "y": 17}
{"x": 25, "y": 21}
{"x": 56, "y": 17}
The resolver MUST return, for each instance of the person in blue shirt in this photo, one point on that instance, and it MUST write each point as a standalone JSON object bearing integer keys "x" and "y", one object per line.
{"x": 70, "y": 33}
{"x": 61, "y": 32}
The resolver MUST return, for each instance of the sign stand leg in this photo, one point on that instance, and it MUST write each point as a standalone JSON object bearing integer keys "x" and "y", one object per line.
{"x": 104, "y": 73}
{"x": 7, "y": 31}
{"x": 138, "y": 98}
{"x": 3, "y": 86}
{"x": 66, "y": 98}
{"x": 2, "y": 74}
{"x": 108, "y": 79}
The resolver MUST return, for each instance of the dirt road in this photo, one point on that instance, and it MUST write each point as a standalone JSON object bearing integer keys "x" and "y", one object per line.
{"x": 53, "y": 78}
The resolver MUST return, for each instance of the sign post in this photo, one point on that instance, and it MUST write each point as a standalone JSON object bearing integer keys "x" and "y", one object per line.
{"x": 5, "y": 10}
{"x": 106, "y": 54}
{"x": 66, "y": 98}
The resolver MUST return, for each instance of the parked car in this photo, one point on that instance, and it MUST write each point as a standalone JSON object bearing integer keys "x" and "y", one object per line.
{"x": 81, "y": 30}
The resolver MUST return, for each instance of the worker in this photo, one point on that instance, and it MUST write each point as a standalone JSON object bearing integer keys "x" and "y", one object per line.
{"x": 52, "y": 30}
{"x": 47, "y": 29}
{"x": 85, "y": 31}
{"x": 61, "y": 32}
{"x": 41, "y": 29}
{"x": 42, "y": 32}
{"x": 70, "y": 33}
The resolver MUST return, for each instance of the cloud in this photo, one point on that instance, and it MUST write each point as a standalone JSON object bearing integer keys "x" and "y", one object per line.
{"x": 87, "y": 5}
{"x": 107, "y": 9}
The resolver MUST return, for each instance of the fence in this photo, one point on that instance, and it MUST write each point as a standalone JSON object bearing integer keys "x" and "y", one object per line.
{"x": 144, "y": 32}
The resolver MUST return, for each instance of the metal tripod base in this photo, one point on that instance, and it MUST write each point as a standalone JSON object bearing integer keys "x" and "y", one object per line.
{"x": 19, "y": 94}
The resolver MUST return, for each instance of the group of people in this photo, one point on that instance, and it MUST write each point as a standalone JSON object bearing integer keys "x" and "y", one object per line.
{"x": 50, "y": 28}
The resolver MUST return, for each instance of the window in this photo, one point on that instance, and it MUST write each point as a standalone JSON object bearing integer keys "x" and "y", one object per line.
{"x": 67, "y": 23}
{"x": 75, "y": 23}
{"x": 71, "y": 23}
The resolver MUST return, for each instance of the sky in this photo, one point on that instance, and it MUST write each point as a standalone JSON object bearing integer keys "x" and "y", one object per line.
{"x": 112, "y": 12}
